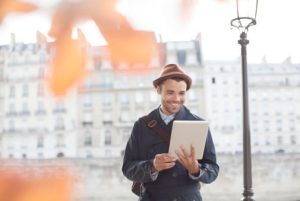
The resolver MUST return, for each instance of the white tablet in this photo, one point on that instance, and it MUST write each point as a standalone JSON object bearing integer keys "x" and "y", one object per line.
{"x": 186, "y": 133}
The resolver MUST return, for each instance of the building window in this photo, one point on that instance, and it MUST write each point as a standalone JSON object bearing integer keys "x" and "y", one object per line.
{"x": 25, "y": 90}
{"x": 124, "y": 116}
{"x": 107, "y": 81}
{"x": 40, "y": 90}
{"x": 213, "y": 80}
{"x": 41, "y": 72}
{"x": 88, "y": 140}
{"x": 1, "y": 73}
{"x": 60, "y": 155}
{"x": 43, "y": 57}
{"x": 153, "y": 96}
{"x": 198, "y": 52}
{"x": 60, "y": 140}
{"x": 12, "y": 109}
{"x": 59, "y": 124}
{"x": 107, "y": 99}
{"x": 124, "y": 98}
{"x": 40, "y": 142}
{"x": 59, "y": 107}
{"x": 12, "y": 91}
{"x": 192, "y": 95}
{"x": 279, "y": 140}
{"x": 181, "y": 57}
{"x": 97, "y": 62}
{"x": 40, "y": 108}
{"x": 25, "y": 110}
{"x": 107, "y": 139}
{"x": 87, "y": 101}
{"x": 11, "y": 127}
{"x": 107, "y": 118}
{"x": 139, "y": 97}
{"x": 89, "y": 155}
{"x": 293, "y": 140}
{"x": 87, "y": 119}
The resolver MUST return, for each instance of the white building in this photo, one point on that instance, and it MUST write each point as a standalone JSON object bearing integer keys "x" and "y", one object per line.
{"x": 35, "y": 125}
{"x": 274, "y": 105}
{"x": 110, "y": 101}
{"x": 96, "y": 119}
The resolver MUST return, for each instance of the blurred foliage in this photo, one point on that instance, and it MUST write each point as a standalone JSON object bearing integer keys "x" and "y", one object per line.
{"x": 125, "y": 44}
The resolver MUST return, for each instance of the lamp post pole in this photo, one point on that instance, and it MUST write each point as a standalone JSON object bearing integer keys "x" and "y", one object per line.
{"x": 243, "y": 23}
{"x": 248, "y": 192}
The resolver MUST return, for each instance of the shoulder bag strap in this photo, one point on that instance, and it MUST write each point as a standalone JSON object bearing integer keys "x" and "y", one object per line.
{"x": 153, "y": 124}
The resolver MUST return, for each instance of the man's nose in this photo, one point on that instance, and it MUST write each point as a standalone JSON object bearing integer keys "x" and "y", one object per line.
{"x": 177, "y": 97}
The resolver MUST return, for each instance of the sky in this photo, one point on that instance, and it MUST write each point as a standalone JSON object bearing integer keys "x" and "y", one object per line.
{"x": 274, "y": 38}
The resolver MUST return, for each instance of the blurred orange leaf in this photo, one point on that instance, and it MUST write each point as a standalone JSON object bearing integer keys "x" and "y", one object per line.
{"x": 10, "y": 184}
{"x": 35, "y": 185}
{"x": 62, "y": 19}
{"x": 9, "y": 6}
{"x": 127, "y": 45}
{"x": 132, "y": 47}
{"x": 47, "y": 189}
{"x": 186, "y": 8}
{"x": 68, "y": 64}
{"x": 69, "y": 13}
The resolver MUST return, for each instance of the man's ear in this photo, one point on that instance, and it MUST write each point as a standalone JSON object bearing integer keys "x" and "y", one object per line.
{"x": 158, "y": 90}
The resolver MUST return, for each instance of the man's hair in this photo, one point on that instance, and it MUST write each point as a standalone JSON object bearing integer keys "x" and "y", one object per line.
{"x": 178, "y": 79}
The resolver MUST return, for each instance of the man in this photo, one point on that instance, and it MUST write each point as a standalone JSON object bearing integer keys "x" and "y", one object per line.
{"x": 146, "y": 156}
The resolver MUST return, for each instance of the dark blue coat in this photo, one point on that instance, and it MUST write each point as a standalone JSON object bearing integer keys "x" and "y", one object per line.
{"x": 171, "y": 184}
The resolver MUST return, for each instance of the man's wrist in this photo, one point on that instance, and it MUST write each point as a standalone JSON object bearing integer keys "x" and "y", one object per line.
{"x": 195, "y": 171}
{"x": 153, "y": 169}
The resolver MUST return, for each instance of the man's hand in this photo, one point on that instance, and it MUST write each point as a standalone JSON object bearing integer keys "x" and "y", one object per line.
{"x": 188, "y": 160}
{"x": 163, "y": 161}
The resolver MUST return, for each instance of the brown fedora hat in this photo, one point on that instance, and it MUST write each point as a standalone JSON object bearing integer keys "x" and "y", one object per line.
{"x": 173, "y": 71}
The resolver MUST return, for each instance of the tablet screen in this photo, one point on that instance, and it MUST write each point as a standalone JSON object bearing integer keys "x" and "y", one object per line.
{"x": 186, "y": 133}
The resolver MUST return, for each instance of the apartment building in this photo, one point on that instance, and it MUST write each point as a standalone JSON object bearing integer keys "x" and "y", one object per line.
{"x": 95, "y": 119}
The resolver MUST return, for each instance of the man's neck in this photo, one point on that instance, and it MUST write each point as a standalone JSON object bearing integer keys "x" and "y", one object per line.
{"x": 165, "y": 112}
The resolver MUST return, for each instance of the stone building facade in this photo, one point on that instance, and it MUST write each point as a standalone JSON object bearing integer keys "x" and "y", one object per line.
{"x": 95, "y": 119}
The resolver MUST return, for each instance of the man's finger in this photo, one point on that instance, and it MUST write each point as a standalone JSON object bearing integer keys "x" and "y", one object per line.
{"x": 163, "y": 166}
{"x": 179, "y": 154}
{"x": 185, "y": 153}
{"x": 193, "y": 153}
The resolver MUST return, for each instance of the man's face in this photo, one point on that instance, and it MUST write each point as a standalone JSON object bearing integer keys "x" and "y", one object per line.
{"x": 172, "y": 94}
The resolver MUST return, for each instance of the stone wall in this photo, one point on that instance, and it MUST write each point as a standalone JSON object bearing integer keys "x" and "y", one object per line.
{"x": 275, "y": 178}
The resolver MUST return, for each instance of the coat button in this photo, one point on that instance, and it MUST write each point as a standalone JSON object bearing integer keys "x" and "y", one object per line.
{"x": 174, "y": 174}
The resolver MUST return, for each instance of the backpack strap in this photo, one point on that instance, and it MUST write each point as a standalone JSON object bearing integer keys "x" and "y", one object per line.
{"x": 153, "y": 124}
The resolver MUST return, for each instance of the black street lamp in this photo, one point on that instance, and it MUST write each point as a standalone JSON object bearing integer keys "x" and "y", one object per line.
{"x": 242, "y": 23}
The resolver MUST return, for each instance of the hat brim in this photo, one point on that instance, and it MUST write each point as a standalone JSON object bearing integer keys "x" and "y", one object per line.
{"x": 186, "y": 78}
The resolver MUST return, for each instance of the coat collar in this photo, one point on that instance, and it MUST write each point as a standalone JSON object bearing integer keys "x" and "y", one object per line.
{"x": 180, "y": 115}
